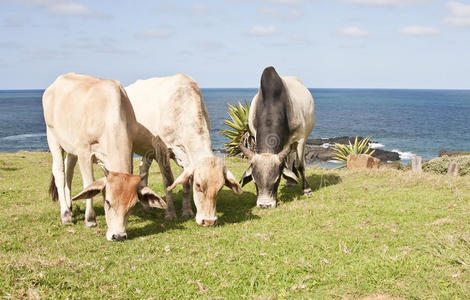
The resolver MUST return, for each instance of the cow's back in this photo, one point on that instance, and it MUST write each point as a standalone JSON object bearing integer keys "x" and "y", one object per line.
{"x": 172, "y": 107}
{"x": 82, "y": 110}
{"x": 300, "y": 110}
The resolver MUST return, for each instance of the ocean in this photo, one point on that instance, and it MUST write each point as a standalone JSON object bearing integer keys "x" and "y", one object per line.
{"x": 410, "y": 122}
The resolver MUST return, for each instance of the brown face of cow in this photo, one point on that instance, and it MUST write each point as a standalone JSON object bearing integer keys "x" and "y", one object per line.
{"x": 119, "y": 197}
{"x": 120, "y": 193}
{"x": 208, "y": 177}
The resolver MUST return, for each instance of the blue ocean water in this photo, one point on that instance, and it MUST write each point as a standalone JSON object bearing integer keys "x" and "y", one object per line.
{"x": 412, "y": 122}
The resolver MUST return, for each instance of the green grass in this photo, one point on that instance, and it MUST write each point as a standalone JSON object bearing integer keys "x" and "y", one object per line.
{"x": 360, "y": 234}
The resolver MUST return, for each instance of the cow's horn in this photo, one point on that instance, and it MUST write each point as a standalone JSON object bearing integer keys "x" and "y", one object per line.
{"x": 98, "y": 156}
{"x": 283, "y": 154}
{"x": 105, "y": 170}
{"x": 247, "y": 152}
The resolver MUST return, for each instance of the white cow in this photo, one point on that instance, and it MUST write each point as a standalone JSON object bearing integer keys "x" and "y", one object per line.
{"x": 92, "y": 119}
{"x": 173, "y": 108}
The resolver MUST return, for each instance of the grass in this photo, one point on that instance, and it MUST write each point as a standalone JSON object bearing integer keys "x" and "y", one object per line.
{"x": 382, "y": 233}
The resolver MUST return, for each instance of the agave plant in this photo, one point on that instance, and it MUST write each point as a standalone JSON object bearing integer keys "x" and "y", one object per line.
{"x": 343, "y": 151}
{"x": 240, "y": 132}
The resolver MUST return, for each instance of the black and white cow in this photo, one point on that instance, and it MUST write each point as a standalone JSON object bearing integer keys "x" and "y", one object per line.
{"x": 282, "y": 116}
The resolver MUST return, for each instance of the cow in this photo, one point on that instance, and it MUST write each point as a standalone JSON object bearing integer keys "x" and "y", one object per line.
{"x": 173, "y": 108}
{"x": 91, "y": 119}
{"x": 282, "y": 116}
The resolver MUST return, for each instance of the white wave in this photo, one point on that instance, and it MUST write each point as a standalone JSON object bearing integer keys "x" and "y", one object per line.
{"x": 21, "y": 136}
{"x": 376, "y": 145}
{"x": 326, "y": 145}
{"x": 333, "y": 161}
{"x": 404, "y": 155}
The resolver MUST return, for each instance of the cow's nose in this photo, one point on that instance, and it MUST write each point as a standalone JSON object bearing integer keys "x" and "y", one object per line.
{"x": 265, "y": 205}
{"x": 119, "y": 237}
{"x": 208, "y": 222}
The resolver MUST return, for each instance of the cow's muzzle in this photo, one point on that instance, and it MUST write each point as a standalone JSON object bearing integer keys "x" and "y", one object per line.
{"x": 266, "y": 203}
{"x": 208, "y": 223}
{"x": 119, "y": 237}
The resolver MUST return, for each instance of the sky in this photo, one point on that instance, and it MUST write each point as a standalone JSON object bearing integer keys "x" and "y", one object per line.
{"x": 228, "y": 43}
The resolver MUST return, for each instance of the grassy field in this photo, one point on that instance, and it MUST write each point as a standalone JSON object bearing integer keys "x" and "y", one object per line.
{"x": 375, "y": 234}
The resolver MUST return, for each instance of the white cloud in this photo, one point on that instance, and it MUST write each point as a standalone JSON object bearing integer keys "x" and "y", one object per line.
{"x": 200, "y": 9}
{"x": 459, "y": 14}
{"x": 386, "y": 2}
{"x": 163, "y": 32}
{"x": 292, "y": 14}
{"x": 14, "y": 22}
{"x": 59, "y": 7}
{"x": 282, "y": 1}
{"x": 418, "y": 30}
{"x": 353, "y": 31}
{"x": 263, "y": 31}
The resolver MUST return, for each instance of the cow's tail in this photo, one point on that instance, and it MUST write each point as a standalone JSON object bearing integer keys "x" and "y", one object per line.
{"x": 53, "y": 190}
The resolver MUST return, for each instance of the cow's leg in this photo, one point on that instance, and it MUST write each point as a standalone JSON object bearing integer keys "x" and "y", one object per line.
{"x": 301, "y": 167}
{"x": 144, "y": 170}
{"x": 86, "y": 168}
{"x": 70, "y": 161}
{"x": 59, "y": 177}
{"x": 187, "y": 209}
{"x": 163, "y": 160}
{"x": 290, "y": 164}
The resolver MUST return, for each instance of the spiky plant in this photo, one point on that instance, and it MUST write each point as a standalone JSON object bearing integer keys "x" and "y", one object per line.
{"x": 240, "y": 132}
{"x": 343, "y": 151}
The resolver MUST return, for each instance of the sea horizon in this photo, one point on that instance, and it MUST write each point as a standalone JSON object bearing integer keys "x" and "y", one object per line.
{"x": 407, "y": 121}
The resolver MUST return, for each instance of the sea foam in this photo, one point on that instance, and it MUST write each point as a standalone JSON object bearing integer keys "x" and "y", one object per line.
{"x": 376, "y": 145}
{"x": 404, "y": 155}
{"x": 22, "y": 136}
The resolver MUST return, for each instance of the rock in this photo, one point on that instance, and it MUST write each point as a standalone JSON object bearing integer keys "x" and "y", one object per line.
{"x": 361, "y": 161}
{"x": 322, "y": 150}
{"x": 445, "y": 152}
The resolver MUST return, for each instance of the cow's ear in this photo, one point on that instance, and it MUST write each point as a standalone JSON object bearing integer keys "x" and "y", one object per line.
{"x": 92, "y": 190}
{"x": 247, "y": 176}
{"x": 289, "y": 176}
{"x": 182, "y": 179}
{"x": 149, "y": 198}
{"x": 231, "y": 182}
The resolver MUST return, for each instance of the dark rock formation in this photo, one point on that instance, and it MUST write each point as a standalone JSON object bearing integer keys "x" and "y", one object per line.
{"x": 322, "y": 150}
{"x": 445, "y": 152}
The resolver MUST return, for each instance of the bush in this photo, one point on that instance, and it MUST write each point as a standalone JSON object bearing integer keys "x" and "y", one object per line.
{"x": 440, "y": 165}
{"x": 359, "y": 147}
{"x": 240, "y": 132}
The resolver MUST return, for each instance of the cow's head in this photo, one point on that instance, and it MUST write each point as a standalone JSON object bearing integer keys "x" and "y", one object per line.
{"x": 120, "y": 193}
{"x": 208, "y": 176}
{"x": 265, "y": 170}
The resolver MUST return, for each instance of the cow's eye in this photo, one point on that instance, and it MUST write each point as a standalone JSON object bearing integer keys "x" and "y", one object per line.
{"x": 198, "y": 187}
{"x": 107, "y": 202}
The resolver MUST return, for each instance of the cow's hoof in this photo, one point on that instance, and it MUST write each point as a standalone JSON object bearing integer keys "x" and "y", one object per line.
{"x": 170, "y": 216}
{"x": 187, "y": 213}
{"x": 90, "y": 223}
{"x": 308, "y": 192}
{"x": 66, "y": 218}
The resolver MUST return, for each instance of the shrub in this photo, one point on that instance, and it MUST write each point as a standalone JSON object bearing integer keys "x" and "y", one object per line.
{"x": 440, "y": 165}
{"x": 241, "y": 132}
{"x": 359, "y": 147}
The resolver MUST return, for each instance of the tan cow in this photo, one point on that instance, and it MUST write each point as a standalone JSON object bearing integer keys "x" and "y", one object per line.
{"x": 92, "y": 119}
{"x": 173, "y": 108}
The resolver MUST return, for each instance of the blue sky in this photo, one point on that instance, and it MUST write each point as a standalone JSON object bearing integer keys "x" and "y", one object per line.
{"x": 227, "y": 43}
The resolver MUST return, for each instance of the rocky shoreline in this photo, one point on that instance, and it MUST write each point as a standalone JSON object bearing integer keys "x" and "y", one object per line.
{"x": 322, "y": 150}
